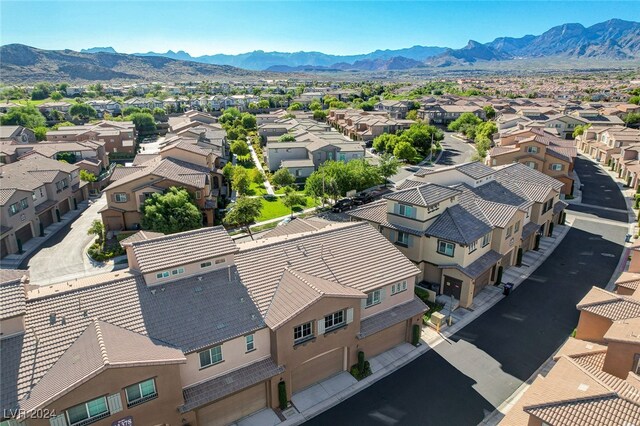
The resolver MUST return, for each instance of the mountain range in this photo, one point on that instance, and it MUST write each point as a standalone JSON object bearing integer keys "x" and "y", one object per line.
{"x": 613, "y": 40}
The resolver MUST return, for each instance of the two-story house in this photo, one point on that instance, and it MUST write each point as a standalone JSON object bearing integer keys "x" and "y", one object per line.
{"x": 118, "y": 136}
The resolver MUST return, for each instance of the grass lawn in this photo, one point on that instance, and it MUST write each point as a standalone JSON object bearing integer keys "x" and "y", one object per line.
{"x": 272, "y": 208}
{"x": 256, "y": 189}
{"x": 41, "y": 101}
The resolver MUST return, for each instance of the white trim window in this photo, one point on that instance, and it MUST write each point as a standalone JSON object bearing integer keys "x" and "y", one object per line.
{"x": 88, "y": 412}
{"x": 402, "y": 238}
{"x": 399, "y": 288}
{"x": 303, "y": 332}
{"x": 141, "y": 392}
{"x": 486, "y": 240}
{"x": 406, "y": 211}
{"x": 446, "y": 248}
{"x": 373, "y": 298}
{"x": 205, "y": 264}
{"x": 532, "y": 149}
{"x": 211, "y": 356}
{"x": 556, "y": 167}
{"x": 250, "y": 343}
{"x": 333, "y": 321}
{"x": 530, "y": 164}
{"x": 509, "y": 232}
{"x": 120, "y": 197}
{"x": 473, "y": 246}
{"x": 516, "y": 227}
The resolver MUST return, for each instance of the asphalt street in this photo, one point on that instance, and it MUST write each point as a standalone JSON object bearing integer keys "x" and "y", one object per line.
{"x": 463, "y": 380}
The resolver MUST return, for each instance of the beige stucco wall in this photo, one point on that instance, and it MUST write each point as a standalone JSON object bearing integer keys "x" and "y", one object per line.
{"x": 162, "y": 410}
{"x": 592, "y": 327}
{"x": 234, "y": 355}
{"x": 634, "y": 265}
{"x": 620, "y": 358}
{"x": 389, "y": 301}
{"x": 466, "y": 291}
{"x": 190, "y": 269}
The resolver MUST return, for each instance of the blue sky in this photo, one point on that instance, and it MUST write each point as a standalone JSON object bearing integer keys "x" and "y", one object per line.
{"x": 338, "y": 27}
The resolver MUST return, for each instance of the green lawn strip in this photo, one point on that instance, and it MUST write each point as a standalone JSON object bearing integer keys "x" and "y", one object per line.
{"x": 273, "y": 207}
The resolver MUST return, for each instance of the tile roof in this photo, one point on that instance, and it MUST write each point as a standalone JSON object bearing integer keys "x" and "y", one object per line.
{"x": 398, "y": 313}
{"x": 528, "y": 229}
{"x": 475, "y": 170}
{"x": 477, "y": 267}
{"x": 169, "y": 168}
{"x": 101, "y": 345}
{"x": 425, "y": 195}
{"x": 189, "y": 314}
{"x": 296, "y": 291}
{"x": 609, "y": 305}
{"x": 409, "y": 183}
{"x": 296, "y": 226}
{"x": 12, "y": 293}
{"x": 140, "y": 236}
{"x": 186, "y": 247}
{"x": 559, "y": 206}
{"x": 221, "y": 386}
{"x": 458, "y": 225}
{"x": 334, "y": 253}
{"x": 375, "y": 212}
{"x": 629, "y": 280}
{"x": 518, "y": 172}
{"x": 626, "y": 330}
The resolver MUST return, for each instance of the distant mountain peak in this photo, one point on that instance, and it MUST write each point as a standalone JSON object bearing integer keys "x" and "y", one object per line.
{"x": 108, "y": 49}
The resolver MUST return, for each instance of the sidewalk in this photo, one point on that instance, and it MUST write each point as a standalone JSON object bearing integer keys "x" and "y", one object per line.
{"x": 13, "y": 261}
{"x": 256, "y": 161}
{"x": 326, "y": 394}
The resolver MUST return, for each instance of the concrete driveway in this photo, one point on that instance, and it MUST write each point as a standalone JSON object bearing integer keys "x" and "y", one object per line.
{"x": 456, "y": 151}
{"x": 64, "y": 257}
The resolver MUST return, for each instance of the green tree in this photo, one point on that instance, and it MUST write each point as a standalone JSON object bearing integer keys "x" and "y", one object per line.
{"x": 82, "y": 111}
{"x": 63, "y": 124}
{"x": 315, "y": 106}
{"x": 283, "y": 178}
{"x": 296, "y": 106}
{"x": 56, "y": 96}
{"x": 97, "y": 229}
{"x": 465, "y": 124}
{"x": 632, "y": 119}
{"x": 240, "y": 180}
{"x": 412, "y": 115}
{"x": 489, "y": 112}
{"x": 227, "y": 172}
{"x": 240, "y": 148}
{"x": 87, "y": 176}
{"x": 41, "y": 133}
{"x": 26, "y": 116}
{"x": 486, "y": 130}
{"x": 144, "y": 122}
{"x": 130, "y": 110}
{"x": 386, "y": 142}
{"x": 580, "y": 129}
{"x": 319, "y": 115}
{"x": 405, "y": 151}
{"x": 248, "y": 121}
{"x": 158, "y": 112}
{"x": 634, "y": 100}
{"x": 263, "y": 103}
{"x": 243, "y": 213}
{"x": 318, "y": 185}
{"x": 292, "y": 199}
{"x": 171, "y": 212}
{"x": 287, "y": 138}
{"x": 388, "y": 166}
{"x": 367, "y": 106}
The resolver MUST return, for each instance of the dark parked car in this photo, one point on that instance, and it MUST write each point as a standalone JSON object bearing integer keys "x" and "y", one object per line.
{"x": 342, "y": 205}
{"x": 364, "y": 198}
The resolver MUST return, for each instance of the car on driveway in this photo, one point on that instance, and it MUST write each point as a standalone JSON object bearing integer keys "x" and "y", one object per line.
{"x": 363, "y": 198}
{"x": 342, "y": 205}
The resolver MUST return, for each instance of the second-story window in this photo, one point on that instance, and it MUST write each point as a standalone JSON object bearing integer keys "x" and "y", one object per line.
{"x": 249, "y": 342}
{"x": 516, "y": 227}
{"x": 88, "y": 412}
{"x": 302, "y": 332}
{"x": 120, "y": 197}
{"x": 13, "y": 209}
{"x": 403, "y": 238}
{"x": 556, "y": 167}
{"x": 404, "y": 210}
{"x": 473, "y": 246}
{"x": 486, "y": 239}
{"x": 373, "y": 298}
{"x": 433, "y": 208}
{"x": 141, "y": 392}
{"x": 24, "y": 204}
{"x": 446, "y": 248}
{"x": 334, "y": 320}
{"x": 509, "y": 232}
{"x": 211, "y": 356}
{"x": 398, "y": 288}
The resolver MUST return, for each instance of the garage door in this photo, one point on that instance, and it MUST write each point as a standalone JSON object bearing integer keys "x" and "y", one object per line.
{"x": 234, "y": 407}
{"x": 63, "y": 207}
{"x": 482, "y": 281}
{"x": 24, "y": 234}
{"x": 385, "y": 339}
{"x": 317, "y": 369}
{"x": 46, "y": 218}
{"x": 4, "y": 250}
{"x": 79, "y": 196}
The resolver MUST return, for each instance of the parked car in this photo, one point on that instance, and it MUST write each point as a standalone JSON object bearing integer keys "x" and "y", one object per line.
{"x": 285, "y": 221}
{"x": 363, "y": 198}
{"x": 342, "y": 205}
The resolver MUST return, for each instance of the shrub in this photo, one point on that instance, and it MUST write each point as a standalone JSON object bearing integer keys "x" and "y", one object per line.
{"x": 499, "y": 277}
{"x": 282, "y": 394}
{"x": 361, "y": 361}
{"x": 415, "y": 337}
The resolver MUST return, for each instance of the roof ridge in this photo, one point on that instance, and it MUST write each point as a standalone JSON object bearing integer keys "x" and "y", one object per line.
{"x": 100, "y": 337}
{"x": 304, "y": 280}
{"x": 179, "y": 234}
{"x": 611, "y": 395}
{"x": 455, "y": 223}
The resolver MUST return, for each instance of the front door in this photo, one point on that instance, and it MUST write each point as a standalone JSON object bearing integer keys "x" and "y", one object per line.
{"x": 452, "y": 287}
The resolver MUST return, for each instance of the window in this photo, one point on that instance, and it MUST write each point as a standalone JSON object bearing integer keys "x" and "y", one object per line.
{"x": 164, "y": 274}
{"x": 486, "y": 239}
{"x": 433, "y": 208}
{"x": 141, "y": 392}
{"x": 198, "y": 195}
{"x": 473, "y": 246}
{"x": 13, "y": 209}
{"x": 33, "y": 196}
{"x": 334, "y": 321}
{"x": 404, "y": 210}
{"x": 636, "y": 364}
{"x": 302, "y": 332}
{"x": 120, "y": 197}
{"x": 400, "y": 287}
{"x": 219, "y": 261}
{"x": 24, "y": 204}
{"x": 446, "y": 248}
{"x": 88, "y": 412}
{"x": 211, "y": 356}
{"x": 205, "y": 264}
{"x": 373, "y": 298}
{"x": 249, "y": 342}
{"x": 556, "y": 166}
{"x": 177, "y": 271}
{"x": 509, "y": 231}
{"x": 403, "y": 238}
{"x": 530, "y": 164}
{"x": 516, "y": 227}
